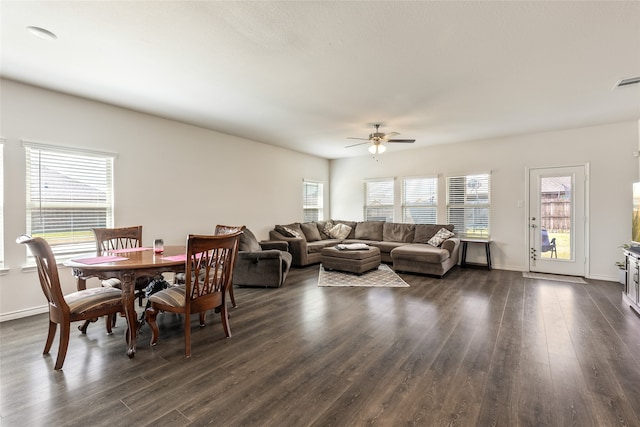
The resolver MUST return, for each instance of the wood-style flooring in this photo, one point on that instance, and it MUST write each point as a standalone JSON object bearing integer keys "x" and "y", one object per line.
{"x": 476, "y": 348}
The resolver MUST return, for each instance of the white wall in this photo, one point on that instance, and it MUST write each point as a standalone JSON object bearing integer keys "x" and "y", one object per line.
{"x": 607, "y": 149}
{"x": 170, "y": 177}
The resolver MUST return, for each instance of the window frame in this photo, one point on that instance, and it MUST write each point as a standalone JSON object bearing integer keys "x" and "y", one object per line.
{"x": 318, "y": 207}
{"x": 431, "y": 208}
{"x": 380, "y": 207}
{"x": 455, "y": 205}
{"x": 71, "y": 190}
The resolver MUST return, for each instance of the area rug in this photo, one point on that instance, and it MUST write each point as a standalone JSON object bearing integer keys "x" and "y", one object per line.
{"x": 383, "y": 277}
{"x": 556, "y": 277}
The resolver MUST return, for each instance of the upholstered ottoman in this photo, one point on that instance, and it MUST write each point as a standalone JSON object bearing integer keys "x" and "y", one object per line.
{"x": 353, "y": 261}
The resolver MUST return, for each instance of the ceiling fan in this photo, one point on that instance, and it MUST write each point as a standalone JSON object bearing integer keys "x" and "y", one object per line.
{"x": 377, "y": 139}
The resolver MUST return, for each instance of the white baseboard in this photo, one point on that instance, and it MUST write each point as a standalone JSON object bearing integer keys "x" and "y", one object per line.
{"x": 23, "y": 313}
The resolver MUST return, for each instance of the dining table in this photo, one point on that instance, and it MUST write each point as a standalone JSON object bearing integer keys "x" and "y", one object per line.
{"x": 126, "y": 265}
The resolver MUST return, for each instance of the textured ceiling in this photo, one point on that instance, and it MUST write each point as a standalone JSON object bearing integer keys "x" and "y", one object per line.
{"x": 306, "y": 75}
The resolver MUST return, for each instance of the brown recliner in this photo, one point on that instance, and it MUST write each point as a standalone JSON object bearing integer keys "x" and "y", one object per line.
{"x": 261, "y": 264}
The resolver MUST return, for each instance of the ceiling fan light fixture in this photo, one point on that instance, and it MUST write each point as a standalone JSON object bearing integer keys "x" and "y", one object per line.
{"x": 377, "y": 148}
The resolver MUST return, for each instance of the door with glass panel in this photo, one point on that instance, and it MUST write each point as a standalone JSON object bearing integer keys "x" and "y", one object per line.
{"x": 557, "y": 220}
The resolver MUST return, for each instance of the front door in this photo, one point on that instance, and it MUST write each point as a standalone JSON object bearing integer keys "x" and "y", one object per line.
{"x": 557, "y": 220}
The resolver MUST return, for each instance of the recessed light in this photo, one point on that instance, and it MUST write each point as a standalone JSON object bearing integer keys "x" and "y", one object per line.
{"x": 42, "y": 33}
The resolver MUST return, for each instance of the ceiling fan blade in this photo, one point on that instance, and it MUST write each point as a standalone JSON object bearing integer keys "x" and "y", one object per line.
{"x": 355, "y": 145}
{"x": 353, "y": 137}
{"x": 402, "y": 140}
{"x": 390, "y": 135}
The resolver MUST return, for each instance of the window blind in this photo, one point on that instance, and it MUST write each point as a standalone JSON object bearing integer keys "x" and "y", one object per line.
{"x": 379, "y": 199}
{"x": 69, "y": 192}
{"x": 313, "y": 198}
{"x": 469, "y": 204}
{"x": 420, "y": 200}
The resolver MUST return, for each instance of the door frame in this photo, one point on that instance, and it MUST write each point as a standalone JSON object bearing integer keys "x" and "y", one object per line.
{"x": 587, "y": 212}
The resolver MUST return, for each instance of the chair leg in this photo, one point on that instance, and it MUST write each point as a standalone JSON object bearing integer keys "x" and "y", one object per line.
{"x": 224, "y": 315}
{"x": 150, "y": 315}
{"x": 109, "y": 321}
{"x": 187, "y": 335}
{"x": 233, "y": 298}
{"x": 52, "y": 333}
{"x": 202, "y": 318}
{"x": 64, "y": 344}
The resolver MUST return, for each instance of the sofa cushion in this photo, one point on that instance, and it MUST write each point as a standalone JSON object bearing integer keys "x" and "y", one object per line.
{"x": 310, "y": 231}
{"x": 369, "y": 230}
{"x": 420, "y": 252}
{"x": 339, "y": 231}
{"x": 351, "y": 224}
{"x": 385, "y": 246}
{"x": 426, "y": 231}
{"x": 290, "y": 230}
{"x": 248, "y": 242}
{"x": 442, "y": 235}
{"x": 397, "y": 232}
{"x": 316, "y": 247}
{"x": 321, "y": 226}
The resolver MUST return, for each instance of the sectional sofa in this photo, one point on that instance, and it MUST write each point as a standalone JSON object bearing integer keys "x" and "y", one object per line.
{"x": 406, "y": 246}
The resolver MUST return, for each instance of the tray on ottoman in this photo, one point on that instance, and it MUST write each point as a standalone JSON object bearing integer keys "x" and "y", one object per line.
{"x": 353, "y": 261}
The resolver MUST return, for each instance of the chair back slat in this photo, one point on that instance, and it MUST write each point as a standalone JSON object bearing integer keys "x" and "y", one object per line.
{"x": 117, "y": 238}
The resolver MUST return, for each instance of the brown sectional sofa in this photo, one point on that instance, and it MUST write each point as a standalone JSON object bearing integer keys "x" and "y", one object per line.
{"x": 404, "y": 245}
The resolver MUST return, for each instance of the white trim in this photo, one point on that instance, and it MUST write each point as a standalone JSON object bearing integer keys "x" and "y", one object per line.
{"x": 65, "y": 148}
{"x": 23, "y": 313}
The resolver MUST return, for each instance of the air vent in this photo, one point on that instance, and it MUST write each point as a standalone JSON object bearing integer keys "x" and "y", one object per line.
{"x": 628, "y": 82}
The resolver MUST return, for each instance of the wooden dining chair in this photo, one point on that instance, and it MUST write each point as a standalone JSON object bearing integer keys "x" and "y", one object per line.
{"x": 115, "y": 239}
{"x": 64, "y": 309}
{"x": 220, "y": 230}
{"x": 208, "y": 276}
{"x": 121, "y": 238}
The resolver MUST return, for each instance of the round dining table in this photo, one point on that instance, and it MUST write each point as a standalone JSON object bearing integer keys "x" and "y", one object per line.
{"x": 126, "y": 265}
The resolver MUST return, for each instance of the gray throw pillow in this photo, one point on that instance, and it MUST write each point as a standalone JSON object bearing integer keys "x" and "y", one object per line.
{"x": 248, "y": 242}
{"x": 369, "y": 230}
{"x": 310, "y": 231}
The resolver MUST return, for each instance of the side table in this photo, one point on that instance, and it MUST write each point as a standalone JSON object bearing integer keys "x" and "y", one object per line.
{"x": 487, "y": 248}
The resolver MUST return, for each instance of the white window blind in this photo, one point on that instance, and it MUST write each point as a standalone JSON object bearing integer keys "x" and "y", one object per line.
{"x": 420, "y": 200}
{"x": 313, "y": 198}
{"x": 69, "y": 192}
{"x": 1, "y": 203}
{"x": 379, "y": 200}
{"x": 469, "y": 204}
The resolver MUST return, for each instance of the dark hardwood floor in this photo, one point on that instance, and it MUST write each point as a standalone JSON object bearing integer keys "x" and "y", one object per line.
{"x": 476, "y": 348}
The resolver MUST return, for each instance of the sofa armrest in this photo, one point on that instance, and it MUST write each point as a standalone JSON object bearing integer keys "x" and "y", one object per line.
{"x": 451, "y": 245}
{"x": 275, "y": 244}
{"x": 297, "y": 247}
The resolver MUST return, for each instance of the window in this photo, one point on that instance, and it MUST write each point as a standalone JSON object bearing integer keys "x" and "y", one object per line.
{"x": 420, "y": 200}
{"x": 313, "y": 197}
{"x": 69, "y": 192}
{"x": 378, "y": 200}
{"x": 1, "y": 203}
{"x": 469, "y": 204}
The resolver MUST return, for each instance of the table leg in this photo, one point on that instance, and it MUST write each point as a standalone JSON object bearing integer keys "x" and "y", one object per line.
{"x": 128, "y": 299}
{"x": 464, "y": 254}
{"x": 488, "y": 253}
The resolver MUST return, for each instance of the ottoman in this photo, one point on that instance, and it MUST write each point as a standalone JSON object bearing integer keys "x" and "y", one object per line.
{"x": 352, "y": 261}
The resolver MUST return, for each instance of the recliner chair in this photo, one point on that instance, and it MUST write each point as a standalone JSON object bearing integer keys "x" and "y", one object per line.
{"x": 261, "y": 264}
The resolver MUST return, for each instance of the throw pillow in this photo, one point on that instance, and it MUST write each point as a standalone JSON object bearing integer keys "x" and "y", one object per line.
{"x": 310, "y": 231}
{"x": 288, "y": 231}
{"x": 248, "y": 242}
{"x": 339, "y": 231}
{"x": 442, "y": 235}
{"x": 327, "y": 228}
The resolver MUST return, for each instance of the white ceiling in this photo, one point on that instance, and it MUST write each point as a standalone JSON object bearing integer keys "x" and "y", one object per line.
{"x": 305, "y": 75}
